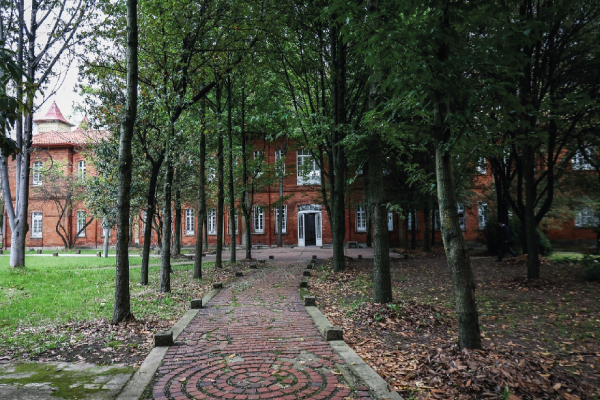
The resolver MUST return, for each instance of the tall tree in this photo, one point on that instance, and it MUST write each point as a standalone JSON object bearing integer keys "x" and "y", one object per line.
{"x": 122, "y": 305}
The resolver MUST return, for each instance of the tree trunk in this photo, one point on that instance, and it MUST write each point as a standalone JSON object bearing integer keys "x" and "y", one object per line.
{"x": 165, "y": 267}
{"x": 368, "y": 202}
{"x": 232, "y": 218}
{"x": 122, "y": 306}
{"x": 221, "y": 184}
{"x": 201, "y": 197}
{"x": 246, "y": 209}
{"x": 151, "y": 200}
{"x": 413, "y": 229}
{"x": 533, "y": 260}
{"x": 105, "y": 242}
{"x": 177, "y": 220}
{"x": 337, "y": 133}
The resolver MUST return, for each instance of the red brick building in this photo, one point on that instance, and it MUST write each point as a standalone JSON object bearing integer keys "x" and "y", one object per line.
{"x": 305, "y": 221}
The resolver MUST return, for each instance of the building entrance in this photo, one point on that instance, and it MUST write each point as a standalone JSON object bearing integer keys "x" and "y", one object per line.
{"x": 309, "y": 225}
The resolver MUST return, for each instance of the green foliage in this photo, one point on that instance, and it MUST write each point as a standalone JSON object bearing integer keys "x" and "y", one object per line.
{"x": 590, "y": 266}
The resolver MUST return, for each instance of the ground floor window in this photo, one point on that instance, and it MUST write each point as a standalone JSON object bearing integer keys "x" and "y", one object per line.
{"x": 390, "y": 222}
{"x": 36, "y": 224}
{"x": 361, "y": 218}
{"x": 412, "y": 214}
{"x": 211, "y": 222}
{"x": 80, "y": 223}
{"x": 586, "y": 218}
{"x": 283, "y": 221}
{"x": 190, "y": 222}
{"x": 259, "y": 220}
{"x": 482, "y": 209}
{"x": 460, "y": 208}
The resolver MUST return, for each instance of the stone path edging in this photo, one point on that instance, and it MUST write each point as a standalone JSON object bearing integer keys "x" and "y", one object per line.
{"x": 375, "y": 382}
{"x": 138, "y": 382}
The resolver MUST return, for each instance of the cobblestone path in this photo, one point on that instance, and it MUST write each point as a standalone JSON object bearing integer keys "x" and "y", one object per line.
{"x": 255, "y": 340}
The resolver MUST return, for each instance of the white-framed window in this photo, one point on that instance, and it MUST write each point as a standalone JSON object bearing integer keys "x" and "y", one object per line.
{"x": 81, "y": 170}
{"x": 482, "y": 165}
{"x": 259, "y": 160}
{"x": 460, "y": 208}
{"x": 37, "y": 173}
{"x": 258, "y": 219}
{"x": 80, "y": 224}
{"x": 390, "y": 221}
{"x": 211, "y": 222}
{"x": 410, "y": 220}
{"x": 190, "y": 221}
{"x": 36, "y": 224}
{"x": 462, "y": 217}
{"x": 283, "y": 221}
{"x": 308, "y": 173}
{"x": 482, "y": 209}
{"x": 361, "y": 218}
{"x": 580, "y": 163}
{"x": 586, "y": 218}
{"x": 280, "y": 163}
{"x": 235, "y": 220}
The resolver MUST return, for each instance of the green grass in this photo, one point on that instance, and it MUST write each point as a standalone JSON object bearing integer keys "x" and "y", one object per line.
{"x": 565, "y": 257}
{"x": 51, "y": 291}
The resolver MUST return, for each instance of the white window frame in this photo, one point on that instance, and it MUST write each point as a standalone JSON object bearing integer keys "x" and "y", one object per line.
{"x": 283, "y": 222}
{"x": 409, "y": 220}
{"x": 390, "y": 221}
{"x": 482, "y": 210}
{"x": 279, "y": 166}
{"x": 586, "y": 218}
{"x": 462, "y": 220}
{"x": 258, "y": 219}
{"x": 482, "y": 166}
{"x": 361, "y": 218}
{"x": 81, "y": 167}
{"x": 235, "y": 219}
{"x": 211, "y": 222}
{"x": 259, "y": 154}
{"x": 314, "y": 175}
{"x": 37, "y": 224}
{"x": 81, "y": 217}
{"x": 190, "y": 221}
{"x": 580, "y": 163}
{"x": 37, "y": 179}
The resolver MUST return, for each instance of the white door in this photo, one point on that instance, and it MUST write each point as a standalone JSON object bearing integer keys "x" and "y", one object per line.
{"x": 300, "y": 230}
{"x": 318, "y": 229}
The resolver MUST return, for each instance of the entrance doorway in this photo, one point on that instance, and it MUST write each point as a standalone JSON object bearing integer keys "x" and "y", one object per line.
{"x": 309, "y": 225}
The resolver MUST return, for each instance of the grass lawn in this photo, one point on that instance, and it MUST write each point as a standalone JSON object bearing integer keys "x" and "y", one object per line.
{"x": 54, "y": 291}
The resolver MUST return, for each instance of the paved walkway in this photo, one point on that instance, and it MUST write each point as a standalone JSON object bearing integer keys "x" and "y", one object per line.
{"x": 255, "y": 340}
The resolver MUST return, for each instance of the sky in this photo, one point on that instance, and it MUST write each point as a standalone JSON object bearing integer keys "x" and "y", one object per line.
{"x": 65, "y": 98}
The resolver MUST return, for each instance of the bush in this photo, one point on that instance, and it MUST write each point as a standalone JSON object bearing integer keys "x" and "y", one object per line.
{"x": 591, "y": 268}
{"x": 490, "y": 231}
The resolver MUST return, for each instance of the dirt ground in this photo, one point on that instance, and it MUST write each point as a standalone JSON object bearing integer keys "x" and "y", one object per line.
{"x": 540, "y": 338}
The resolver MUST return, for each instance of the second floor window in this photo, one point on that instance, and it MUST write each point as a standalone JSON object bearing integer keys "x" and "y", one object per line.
{"x": 81, "y": 170}
{"x": 580, "y": 162}
{"x": 586, "y": 218}
{"x": 279, "y": 163}
{"x": 37, "y": 173}
{"x": 482, "y": 165}
{"x": 258, "y": 159}
{"x": 190, "y": 222}
{"x": 259, "y": 220}
{"x": 211, "y": 223}
{"x": 308, "y": 172}
{"x": 80, "y": 223}
{"x": 361, "y": 218}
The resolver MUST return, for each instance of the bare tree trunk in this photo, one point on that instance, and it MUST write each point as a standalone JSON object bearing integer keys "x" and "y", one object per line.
{"x": 232, "y": 218}
{"x": 122, "y": 306}
{"x": 105, "y": 242}
{"x": 165, "y": 267}
{"x": 151, "y": 200}
{"x": 220, "y": 184}
{"x": 201, "y": 197}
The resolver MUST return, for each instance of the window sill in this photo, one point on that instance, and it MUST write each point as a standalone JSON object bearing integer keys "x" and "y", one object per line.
{"x": 189, "y": 234}
{"x": 360, "y": 231}
{"x": 36, "y": 237}
{"x": 258, "y": 233}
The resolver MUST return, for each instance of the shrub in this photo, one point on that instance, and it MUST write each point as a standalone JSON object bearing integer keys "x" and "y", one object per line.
{"x": 490, "y": 232}
{"x": 591, "y": 268}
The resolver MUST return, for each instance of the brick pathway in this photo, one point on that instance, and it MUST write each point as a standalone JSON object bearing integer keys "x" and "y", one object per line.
{"x": 255, "y": 340}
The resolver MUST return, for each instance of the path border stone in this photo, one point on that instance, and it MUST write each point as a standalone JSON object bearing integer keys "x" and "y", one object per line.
{"x": 139, "y": 380}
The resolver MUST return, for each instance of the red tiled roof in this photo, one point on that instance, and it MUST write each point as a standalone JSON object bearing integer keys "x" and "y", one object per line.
{"x": 77, "y": 137}
{"x": 53, "y": 114}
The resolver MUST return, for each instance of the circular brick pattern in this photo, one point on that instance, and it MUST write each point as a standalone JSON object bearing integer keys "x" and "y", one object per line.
{"x": 251, "y": 380}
